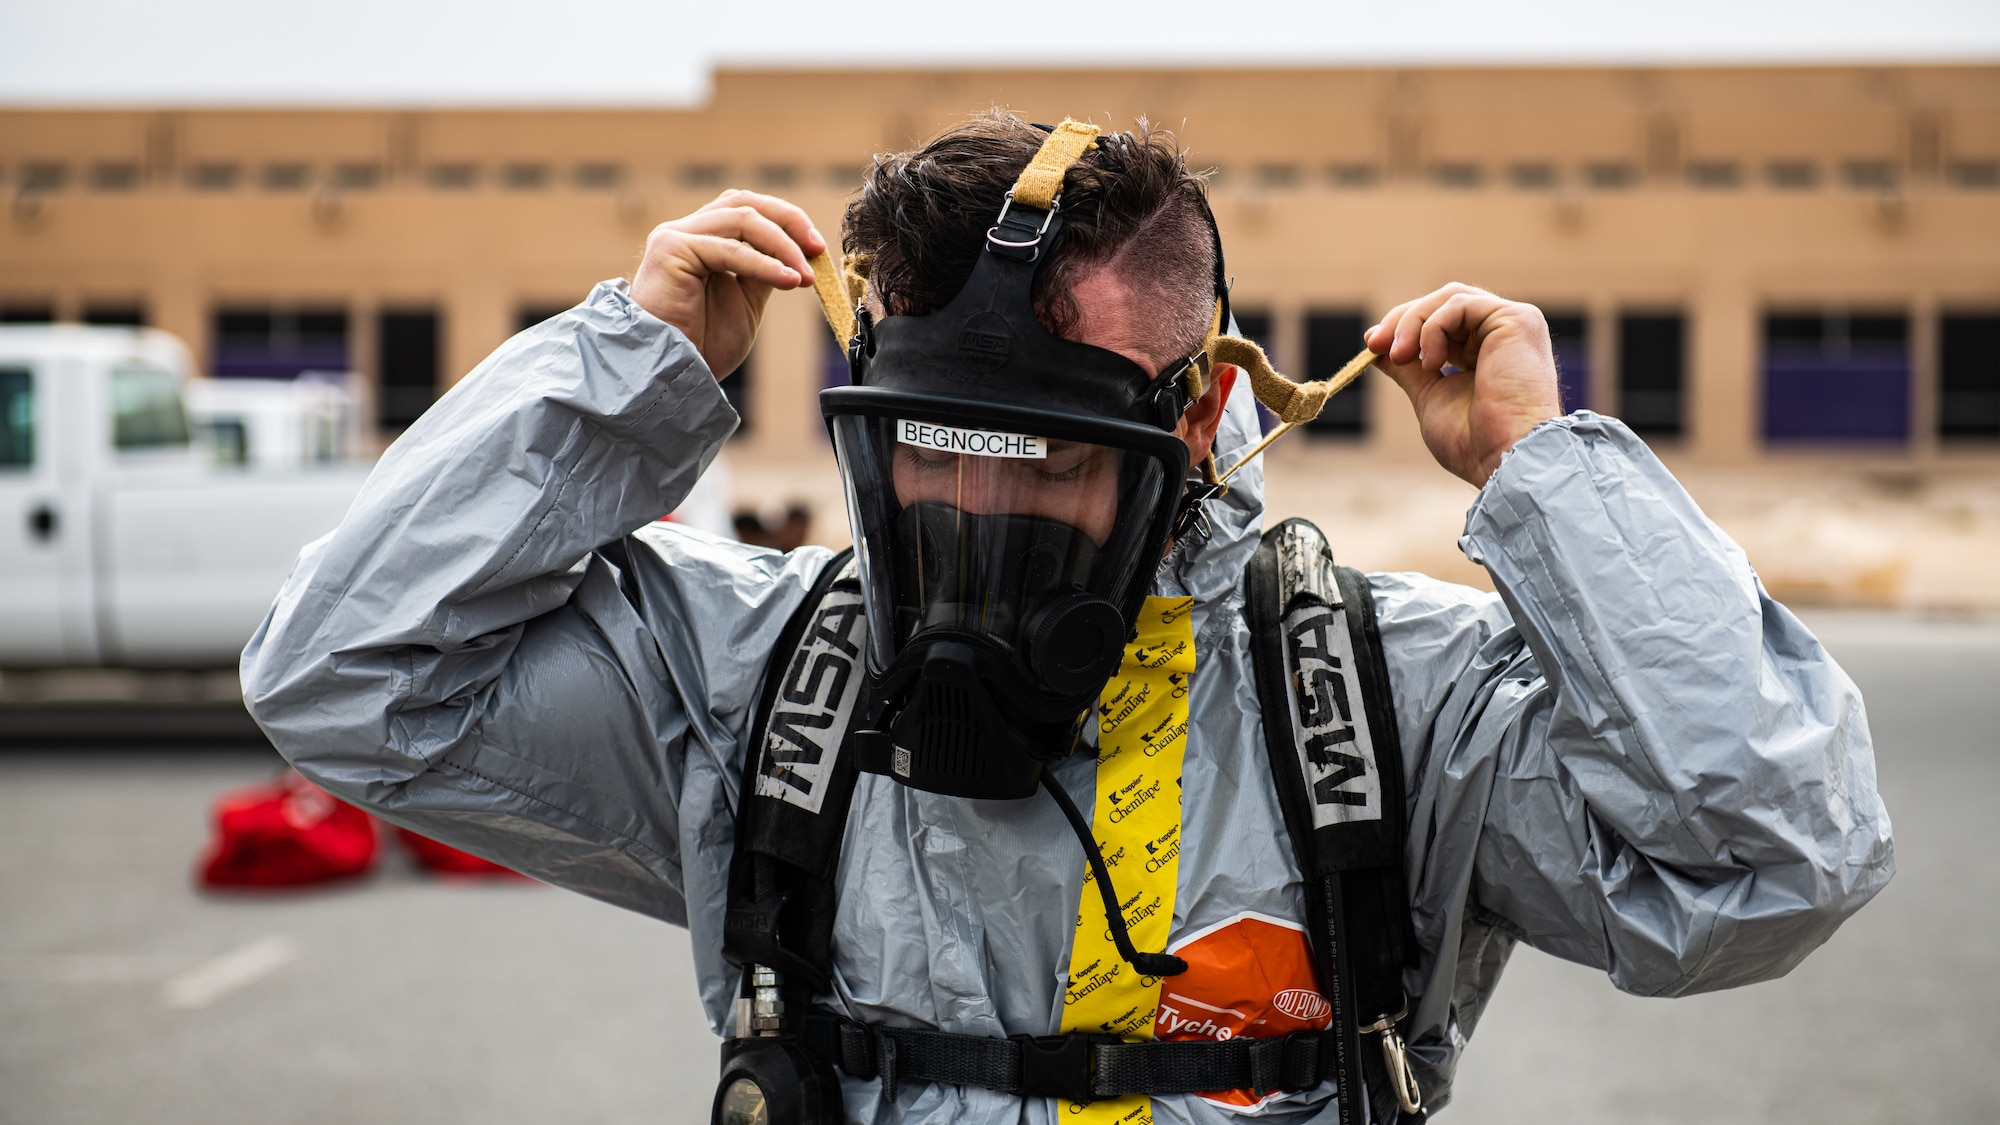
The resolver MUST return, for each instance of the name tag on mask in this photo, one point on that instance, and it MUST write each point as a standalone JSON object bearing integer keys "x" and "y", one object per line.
{"x": 979, "y": 443}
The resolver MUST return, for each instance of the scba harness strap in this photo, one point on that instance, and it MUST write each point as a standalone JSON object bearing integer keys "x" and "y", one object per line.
{"x": 1073, "y": 1067}
{"x": 1330, "y": 736}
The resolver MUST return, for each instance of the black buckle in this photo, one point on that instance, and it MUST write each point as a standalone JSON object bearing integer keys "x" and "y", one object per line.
{"x": 1059, "y": 1066}
{"x": 1303, "y": 1061}
{"x": 856, "y": 1045}
{"x": 1191, "y": 521}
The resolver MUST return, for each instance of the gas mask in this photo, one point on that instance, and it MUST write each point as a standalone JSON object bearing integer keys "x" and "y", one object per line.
{"x": 1011, "y": 495}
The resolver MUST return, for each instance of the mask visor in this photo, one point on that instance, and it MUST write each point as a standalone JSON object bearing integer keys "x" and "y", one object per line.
{"x": 1018, "y": 535}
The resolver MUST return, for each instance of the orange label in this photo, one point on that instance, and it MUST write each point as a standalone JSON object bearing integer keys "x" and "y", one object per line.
{"x": 1250, "y": 975}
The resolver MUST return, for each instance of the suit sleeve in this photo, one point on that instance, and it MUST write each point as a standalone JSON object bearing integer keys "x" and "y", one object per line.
{"x": 1632, "y": 758}
{"x": 456, "y": 658}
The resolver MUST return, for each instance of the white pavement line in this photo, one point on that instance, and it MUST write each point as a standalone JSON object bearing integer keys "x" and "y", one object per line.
{"x": 219, "y": 976}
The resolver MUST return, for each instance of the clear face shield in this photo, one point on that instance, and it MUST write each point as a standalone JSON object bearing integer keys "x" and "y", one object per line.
{"x": 1002, "y": 553}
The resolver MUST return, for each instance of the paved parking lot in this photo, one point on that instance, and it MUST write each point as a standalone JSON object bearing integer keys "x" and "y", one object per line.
{"x": 125, "y": 996}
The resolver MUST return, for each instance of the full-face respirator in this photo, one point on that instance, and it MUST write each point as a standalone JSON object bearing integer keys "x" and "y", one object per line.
{"x": 1011, "y": 494}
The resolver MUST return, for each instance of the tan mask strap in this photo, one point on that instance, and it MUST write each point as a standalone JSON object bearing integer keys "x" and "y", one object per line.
{"x": 837, "y": 293}
{"x": 1293, "y": 402}
{"x": 1042, "y": 180}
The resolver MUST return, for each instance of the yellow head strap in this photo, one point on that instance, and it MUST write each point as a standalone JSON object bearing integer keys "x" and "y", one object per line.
{"x": 1042, "y": 180}
{"x": 836, "y": 299}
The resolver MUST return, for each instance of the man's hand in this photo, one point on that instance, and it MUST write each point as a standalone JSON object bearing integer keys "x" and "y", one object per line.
{"x": 1505, "y": 385}
{"x": 710, "y": 273}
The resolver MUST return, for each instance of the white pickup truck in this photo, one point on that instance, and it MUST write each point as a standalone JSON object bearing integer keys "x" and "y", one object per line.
{"x": 125, "y": 542}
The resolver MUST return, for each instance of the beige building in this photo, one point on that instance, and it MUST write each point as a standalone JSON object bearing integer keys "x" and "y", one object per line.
{"x": 1747, "y": 263}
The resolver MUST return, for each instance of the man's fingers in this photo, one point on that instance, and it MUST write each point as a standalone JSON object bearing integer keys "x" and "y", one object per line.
{"x": 787, "y": 215}
{"x": 747, "y": 225}
{"x": 1399, "y": 338}
{"x": 1449, "y": 334}
{"x": 728, "y": 255}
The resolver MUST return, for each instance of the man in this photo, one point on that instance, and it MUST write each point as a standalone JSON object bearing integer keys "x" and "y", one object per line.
{"x": 1630, "y": 757}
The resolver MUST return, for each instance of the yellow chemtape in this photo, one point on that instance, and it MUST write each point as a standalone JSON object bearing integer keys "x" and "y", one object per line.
{"x": 1142, "y": 726}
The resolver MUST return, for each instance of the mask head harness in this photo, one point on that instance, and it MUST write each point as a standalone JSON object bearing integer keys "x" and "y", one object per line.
{"x": 1011, "y": 494}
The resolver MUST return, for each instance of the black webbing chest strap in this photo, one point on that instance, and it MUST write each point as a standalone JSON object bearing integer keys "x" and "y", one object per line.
{"x": 1330, "y": 733}
{"x": 1338, "y": 767}
{"x": 1075, "y": 1067}
{"x": 798, "y": 778}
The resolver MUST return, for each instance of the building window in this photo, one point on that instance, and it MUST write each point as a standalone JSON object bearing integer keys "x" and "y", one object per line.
{"x": 1569, "y": 333}
{"x": 1333, "y": 338}
{"x": 833, "y": 366}
{"x": 287, "y": 175}
{"x": 1352, "y": 175}
{"x": 1869, "y": 175}
{"x": 704, "y": 175}
{"x": 1610, "y": 175}
{"x": 779, "y": 176}
{"x": 598, "y": 175}
{"x": 1792, "y": 175}
{"x": 1275, "y": 176}
{"x": 738, "y": 385}
{"x": 29, "y": 311}
{"x": 454, "y": 177}
{"x": 44, "y": 177}
{"x": 1457, "y": 176}
{"x": 525, "y": 177}
{"x": 847, "y": 177}
{"x": 357, "y": 176}
{"x": 1652, "y": 373}
{"x": 117, "y": 314}
{"x": 17, "y": 417}
{"x": 264, "y": 342}
{"x": 1254, "y": 325}
{"x": 214, "y": 176}
{"x": 1836, "y": 376}
{"x": 527, "y": 316}
{"x": 1532, "y": 176}
{"x": 1715, "y": 175}
{"x": 117, "y": 175}
{"x": 1968, "y": 376}
{"x": 1976, "y": 175}
{"x": 407, "y": 357}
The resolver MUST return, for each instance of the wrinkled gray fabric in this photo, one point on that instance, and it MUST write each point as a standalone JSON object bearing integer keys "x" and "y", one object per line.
{"x": 1631, "y": 757}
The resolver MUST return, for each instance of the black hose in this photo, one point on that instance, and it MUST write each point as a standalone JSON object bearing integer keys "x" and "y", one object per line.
{"x": 1148, "y": 964}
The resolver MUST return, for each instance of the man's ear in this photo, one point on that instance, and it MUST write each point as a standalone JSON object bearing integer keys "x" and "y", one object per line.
{"x": 1198, "y": 426}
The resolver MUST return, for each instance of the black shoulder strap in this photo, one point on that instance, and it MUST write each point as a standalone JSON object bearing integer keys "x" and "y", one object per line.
{"x": 1330, "y": 730}
{"x": 798, "y": 779}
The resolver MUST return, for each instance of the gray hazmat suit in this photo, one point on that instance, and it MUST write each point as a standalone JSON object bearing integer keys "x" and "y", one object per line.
{"x": 1631, "y": 757}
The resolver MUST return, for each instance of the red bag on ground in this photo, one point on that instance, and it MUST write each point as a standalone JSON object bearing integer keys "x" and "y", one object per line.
{"x": 286, "y": 832}
{"x": 447, "y": 860}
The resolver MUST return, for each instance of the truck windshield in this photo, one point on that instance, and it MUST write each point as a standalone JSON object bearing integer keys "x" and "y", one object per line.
{"x": 17, "y": 418}
{"x": 146, "y": 410}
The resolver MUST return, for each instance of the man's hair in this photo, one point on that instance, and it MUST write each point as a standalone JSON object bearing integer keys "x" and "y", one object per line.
{"x": 1131, "y": 205}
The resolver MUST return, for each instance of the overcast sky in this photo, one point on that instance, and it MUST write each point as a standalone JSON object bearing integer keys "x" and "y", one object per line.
{"x": 654, "y": 52}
